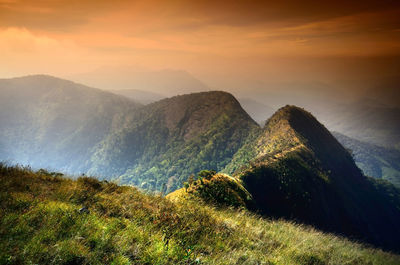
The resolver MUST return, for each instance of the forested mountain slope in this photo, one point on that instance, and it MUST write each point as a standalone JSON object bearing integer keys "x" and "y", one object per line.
{"x": 173, "y": 138}
{"x": 297, "y": 170}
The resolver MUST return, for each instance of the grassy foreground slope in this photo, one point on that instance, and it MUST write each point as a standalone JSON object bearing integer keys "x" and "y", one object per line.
{"x": 40, "y": 223}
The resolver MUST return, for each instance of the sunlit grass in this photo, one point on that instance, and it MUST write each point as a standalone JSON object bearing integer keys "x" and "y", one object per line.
{"x": 40, "y": 223}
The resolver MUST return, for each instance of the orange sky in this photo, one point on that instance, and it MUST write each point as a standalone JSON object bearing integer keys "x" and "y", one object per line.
{"x": 214, "y": 40}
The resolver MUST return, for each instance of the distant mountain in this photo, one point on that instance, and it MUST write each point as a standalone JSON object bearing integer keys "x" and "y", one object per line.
{"x": 258, "y": 111}
{"x": 374, "y": 160}
{"x": 164, "y": 82}
{"x": 297, "y": 170}
{"x": 143, "y": 97}
{"x": 367, "y": 121}
{"x": 55, "y": 123}
{"x": 168, "y": 140}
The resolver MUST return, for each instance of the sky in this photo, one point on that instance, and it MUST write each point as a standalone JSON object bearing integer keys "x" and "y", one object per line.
{"x": 257, "y": 46}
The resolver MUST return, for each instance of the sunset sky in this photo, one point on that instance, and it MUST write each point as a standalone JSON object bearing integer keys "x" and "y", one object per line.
{"x": 220, "y": 42}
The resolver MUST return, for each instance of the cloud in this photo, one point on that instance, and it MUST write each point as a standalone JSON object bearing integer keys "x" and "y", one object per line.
{"x": 55, "y": 15}
{"x": 25, "y": 52}
{"x": 224, "y": 37}
{"x": 183, "y": 14}
{"x": 20, "y": 40}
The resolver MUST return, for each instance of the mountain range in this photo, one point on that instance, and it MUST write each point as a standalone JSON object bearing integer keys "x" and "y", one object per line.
{"x": 291, "y": 168}
{"x": 61, "y": 125}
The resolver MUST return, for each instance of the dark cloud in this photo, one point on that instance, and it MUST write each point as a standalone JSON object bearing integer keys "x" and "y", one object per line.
{"x": 65, "y": 14}
{"x": 282, "y": 12}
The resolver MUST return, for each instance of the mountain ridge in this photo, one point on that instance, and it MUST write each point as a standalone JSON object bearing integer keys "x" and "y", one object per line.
{"x": 313, "y": 179}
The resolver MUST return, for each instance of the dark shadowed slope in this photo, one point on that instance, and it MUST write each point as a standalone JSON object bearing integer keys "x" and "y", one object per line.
{"x": 298, "y": 170}
{"x": 55, "y": 123}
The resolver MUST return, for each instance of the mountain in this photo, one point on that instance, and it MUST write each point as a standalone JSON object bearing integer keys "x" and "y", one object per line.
{"x": 55, "y": 123}
{"x": 375, "y": 161}
{"x": 297, "y": 170}
{"x": 143, "y": 97}
{"x": 164, "y": 82}
{"x": 48, "y": 219}
{"x": 257, "y": 110}
{"x": 292, "y": 168}
{"x": 367, "y": 121}
{"x": 168, "y": 140}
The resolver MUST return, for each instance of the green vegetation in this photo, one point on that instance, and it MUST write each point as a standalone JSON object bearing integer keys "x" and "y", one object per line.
{"x": 292, "y": 168}
{"x": 53, "y": 123}
{"x": 170, "y": 139}
{"x": 214, "y": 188}
{"x": 41, "y": 223}
{"x": 299, "y": 171}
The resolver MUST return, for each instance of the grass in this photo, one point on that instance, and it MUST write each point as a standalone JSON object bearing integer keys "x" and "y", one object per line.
{"x": 40, "y": 223}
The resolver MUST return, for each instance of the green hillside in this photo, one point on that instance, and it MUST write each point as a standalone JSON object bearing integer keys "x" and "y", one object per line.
{"x": 297, "y": 170}
{"x": 375, "y": 161}
{"x": 172, "y": 138}
{"x": 42, "y": 222}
